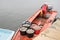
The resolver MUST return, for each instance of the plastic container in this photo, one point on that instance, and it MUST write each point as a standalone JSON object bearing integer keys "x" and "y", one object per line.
{"x": 36, "y": 28}
{"x": 23, "y": 30}
{"x": 26, "y": 24}
{"x": 30, "y": 33}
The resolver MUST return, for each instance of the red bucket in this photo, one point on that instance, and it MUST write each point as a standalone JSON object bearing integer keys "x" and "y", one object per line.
{"x": 36, "y": 28}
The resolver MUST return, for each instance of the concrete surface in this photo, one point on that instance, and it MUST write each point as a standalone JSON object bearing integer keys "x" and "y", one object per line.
{"x": 14, "y": 12}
